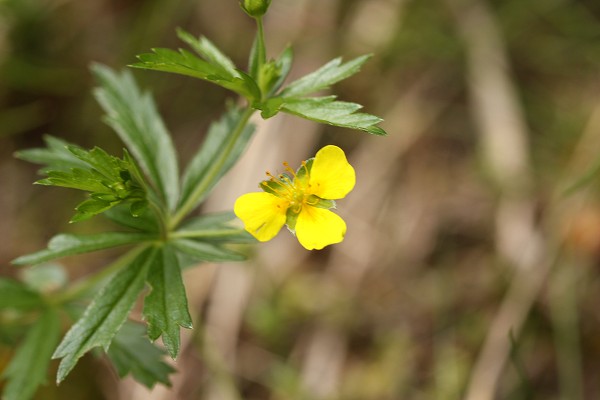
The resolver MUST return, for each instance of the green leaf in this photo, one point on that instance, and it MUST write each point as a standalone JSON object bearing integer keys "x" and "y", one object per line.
{"x": 166, "y": 308}
{"x": 55, "y": 156}
{"x": 215, "y": 143}
{"x": 207, "y": 50}
{"x": 215, "y": 228}
{"x": 105, "y": 315}
{"x": 70, "y": 244}
{"x": 133, "y": 115}
{"x": 332, "y": 72}
{"x": 284, "y": 65}
{"x": 131, "y": 352}
{"x": 329, "y": 111}
{"x": 29, "y": 366}
{"x": 17, "y": 295}
{"x": 206, "y": 251}
{"x": 186, "y": 63}
{"x": 145, "y": 222}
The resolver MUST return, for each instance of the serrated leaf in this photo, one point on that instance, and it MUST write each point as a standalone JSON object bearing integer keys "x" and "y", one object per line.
{"x": 332, "y": 72}
{"x": 166, "y": 308}
{"x": 70, "y": 244}
{"x": 105, "y": 315}
{"x": 131, "y": 352}
{"x": 206, "y": 251}
{"x": 55, "y": 156}
{"x": 211, "y": 53}
{"x": 29, "y": 366}
{"x": 17, "y": 295}
{"x": 329, "y": 111}
{"x": 215, "y": 228}
{"x": 134, "y": 117}
{"x": 186, "y": 63}
{"x": 217, "y": 139}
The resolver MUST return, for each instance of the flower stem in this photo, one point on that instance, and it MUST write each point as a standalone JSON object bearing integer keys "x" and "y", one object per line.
{"x": 212, "y": 173}
{"x": 260, "y": 44}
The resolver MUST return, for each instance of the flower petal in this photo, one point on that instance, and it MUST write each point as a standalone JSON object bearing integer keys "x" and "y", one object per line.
{"x": 331, "y": 176}
{"x": 317, "y": 228}
{"x": 263, "y": 214}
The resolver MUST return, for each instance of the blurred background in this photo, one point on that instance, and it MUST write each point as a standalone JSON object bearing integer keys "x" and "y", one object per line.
{"x": 470, "y": 266}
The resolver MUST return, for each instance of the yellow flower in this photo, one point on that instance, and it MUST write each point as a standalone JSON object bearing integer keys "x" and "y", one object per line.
{"x": 301, "y": 200}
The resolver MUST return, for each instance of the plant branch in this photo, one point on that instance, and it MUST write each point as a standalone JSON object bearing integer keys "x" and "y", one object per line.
{"x": 215, "y": 169}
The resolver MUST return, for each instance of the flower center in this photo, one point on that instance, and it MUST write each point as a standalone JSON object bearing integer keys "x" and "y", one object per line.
{"x": 291, "y": 186}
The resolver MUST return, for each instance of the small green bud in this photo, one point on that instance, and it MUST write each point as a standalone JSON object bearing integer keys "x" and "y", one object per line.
{"x": 255, "y": 8}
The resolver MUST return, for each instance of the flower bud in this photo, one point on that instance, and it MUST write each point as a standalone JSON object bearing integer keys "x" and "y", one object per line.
{"x": 255, "y": 8}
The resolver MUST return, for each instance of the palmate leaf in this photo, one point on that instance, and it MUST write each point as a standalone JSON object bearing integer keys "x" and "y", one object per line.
{"x": 197, "y": 173}
{"x": 29, "y": 366}
{"x": 145, "y": 222}
{"x": 133, "y": 115}
{"x": 332, "y": 72}
{"x": 105, "y": 315}
{"x": 165, "y": 308}
{"x": 131, "y": 352}
{"x": 329, "y": 111}
{"x": 70, "y": 244}
{"x": 214, "y": 66}
{"x": 56, "y": 156}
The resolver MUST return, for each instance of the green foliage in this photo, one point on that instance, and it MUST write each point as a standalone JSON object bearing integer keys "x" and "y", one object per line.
{"x": 216, "y": 67}
{"x": 265, "y": 78}
{"x": 200, "y": 176}
{"x": 70, "y": 244}
{"x": 110, "y": 181}
{"x": 329, "y": 111}
{"x": 18, "y": 296}
{"x": 27, "y": 369}
{"x": 56, "y": 155}
{"x": 165, "y": 308}
{"x": 131, "y": 352}
{"x": 143, "y": 193}
{"x": 133, "y": 116}
{"x": 105, "y": 315}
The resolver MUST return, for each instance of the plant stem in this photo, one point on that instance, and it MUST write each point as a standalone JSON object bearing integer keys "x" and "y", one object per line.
{"x": 90, "y": 282}
{"x": 212, "y": 173}
{"x": 208, "y": 233}
{"x": 260, "y": 45}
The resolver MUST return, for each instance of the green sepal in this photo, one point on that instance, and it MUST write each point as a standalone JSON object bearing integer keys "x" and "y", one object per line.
{"x": 132, "y": 353}
{"x": 291, "y": 219}
{"x": 316, "y": 201}
{"x": 255, "y": 8}
{"x": 303, "y": 172}
{"x": 273, "y": 186}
